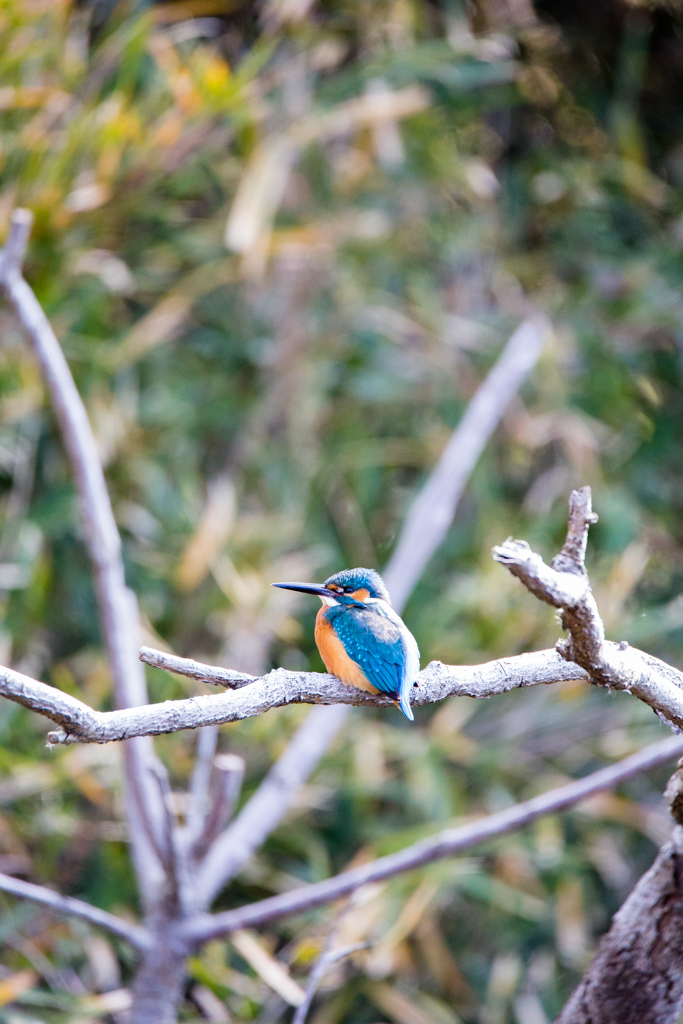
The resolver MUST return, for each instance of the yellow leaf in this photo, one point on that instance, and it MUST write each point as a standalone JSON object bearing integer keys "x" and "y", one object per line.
{"x": 13, "y": 986}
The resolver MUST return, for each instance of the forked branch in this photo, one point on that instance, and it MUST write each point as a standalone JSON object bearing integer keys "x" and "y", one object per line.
{"x": 565, "y": 585}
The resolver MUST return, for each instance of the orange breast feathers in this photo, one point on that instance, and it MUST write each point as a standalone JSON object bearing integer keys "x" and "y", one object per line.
{"x": 337, "y": 661}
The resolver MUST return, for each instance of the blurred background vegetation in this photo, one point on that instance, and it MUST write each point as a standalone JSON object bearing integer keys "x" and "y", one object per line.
{"x": 277, "y": 303}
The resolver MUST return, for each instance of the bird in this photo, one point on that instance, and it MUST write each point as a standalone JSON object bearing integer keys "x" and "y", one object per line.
{"x": 361, "y": 639}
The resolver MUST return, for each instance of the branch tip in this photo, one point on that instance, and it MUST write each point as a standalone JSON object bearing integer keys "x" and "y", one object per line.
{"x": 21, "y": 223}
{"x": 581, "y": 516}
{"x": 55, "y": 737}
{"x": 194, "y": 669}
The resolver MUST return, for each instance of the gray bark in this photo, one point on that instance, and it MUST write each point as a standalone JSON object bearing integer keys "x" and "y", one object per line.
{"x": 636, "y": 976}
{"x": 82, "y": 724}
{"x": 159, "y": 984}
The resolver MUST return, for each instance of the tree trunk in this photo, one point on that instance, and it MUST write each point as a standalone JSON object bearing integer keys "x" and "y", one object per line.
{"x": 159, "y": 985}
{"x": 637, "y": 974}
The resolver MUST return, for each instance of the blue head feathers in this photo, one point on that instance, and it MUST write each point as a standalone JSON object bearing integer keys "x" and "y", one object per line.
{"x": 350, "y": 580}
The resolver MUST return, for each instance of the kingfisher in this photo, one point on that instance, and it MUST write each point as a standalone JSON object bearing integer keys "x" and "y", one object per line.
{"x": 361, "y": 639}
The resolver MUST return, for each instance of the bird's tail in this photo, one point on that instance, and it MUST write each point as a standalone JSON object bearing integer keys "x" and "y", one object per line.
{"x": 403, "y": 703}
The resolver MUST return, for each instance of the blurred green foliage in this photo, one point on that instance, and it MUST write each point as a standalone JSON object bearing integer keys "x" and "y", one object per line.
{"x": 267, "y": 410}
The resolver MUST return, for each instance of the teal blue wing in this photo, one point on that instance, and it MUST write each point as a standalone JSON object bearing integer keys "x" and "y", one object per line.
{"x": 373, "y": 642}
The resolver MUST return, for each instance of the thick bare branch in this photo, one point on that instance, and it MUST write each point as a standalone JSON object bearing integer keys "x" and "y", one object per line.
{"x": 444, "y": 844}
{"x": 135, "y": 934}
{"x": 68, "y": 712}
{"x": 117, "y": 605}
{"x": 159, "y": 984}
{"x": 79, "y": 723}
{"x": 636, "y": 974}
{"x": 566, "y": 586}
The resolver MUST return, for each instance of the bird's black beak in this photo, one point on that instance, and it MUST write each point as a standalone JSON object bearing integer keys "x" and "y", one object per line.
{"x": 307, "y": 588}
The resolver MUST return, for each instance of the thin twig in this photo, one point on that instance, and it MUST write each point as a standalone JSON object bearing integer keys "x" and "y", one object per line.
{"x": 117, "y": 605}
{"x": 171, "y": 851}
{"x": 195, "y": 669}
{"x": 444, "y": 844}
{"x": 198, "y": 793}
{"x": 135, "y": 934}
{"x": 327, "y": 958}
{"x": 581, "y": 516}
{"x": 13, "y": 254}
{"x": 227, "y": 773}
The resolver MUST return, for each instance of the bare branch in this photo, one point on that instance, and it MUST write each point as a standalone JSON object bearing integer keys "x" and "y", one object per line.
{"x": 560, "y": 589}
{"x": 269, "y": 804}
{"x": 581, "y": 516}
{"x": 69, "y": 712}
{"x": 432, "y": 512}
{"x": 442, "y": 491}
{"x": 227, "y": 773}
{"x": 636, "y": 974}
{"x": 198, "y": 794}
{"x": 79, "y": 723}
{"x": 195, "y": 669}
{"x": 566, "y": 586}
{"x": 327, "y": 958}
{"x": 171, "y": 851}
{"x": 14, "y": 251}
{"x": 117, "y": 605}
{"x": 135, "y": 934}
{"x": 444, "y": 844}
